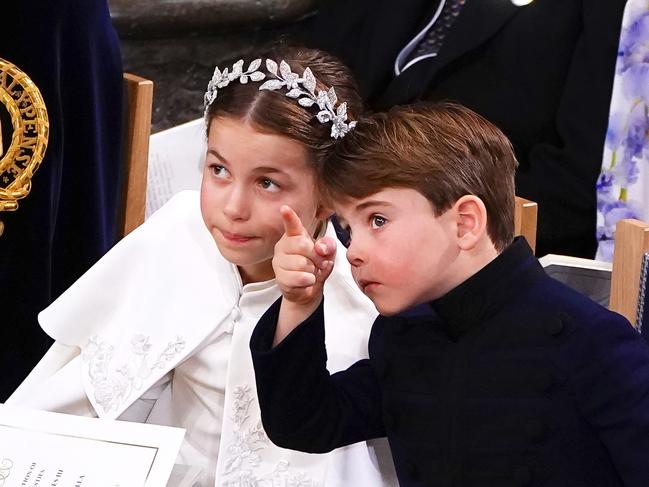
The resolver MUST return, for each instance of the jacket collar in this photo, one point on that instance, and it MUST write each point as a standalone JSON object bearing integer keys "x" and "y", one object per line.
{"x": 481, "y": 296}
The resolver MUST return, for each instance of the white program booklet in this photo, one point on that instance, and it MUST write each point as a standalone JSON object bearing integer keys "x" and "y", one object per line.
{"x": 176, "y": 158}
{"x": 39, "y": 448}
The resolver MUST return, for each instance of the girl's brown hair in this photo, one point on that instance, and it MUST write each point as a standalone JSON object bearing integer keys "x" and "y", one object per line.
{"x": 443, "y": 150}
{"x": 274, "y": 112}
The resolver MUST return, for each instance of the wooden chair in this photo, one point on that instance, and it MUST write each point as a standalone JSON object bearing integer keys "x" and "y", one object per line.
{"x": 525, "y": 216}
{"x": 137, "y": 130}
{"x": 631, "y": 243}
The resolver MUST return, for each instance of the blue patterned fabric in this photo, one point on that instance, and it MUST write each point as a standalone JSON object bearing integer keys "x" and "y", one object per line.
{"x": 623, "y": 185}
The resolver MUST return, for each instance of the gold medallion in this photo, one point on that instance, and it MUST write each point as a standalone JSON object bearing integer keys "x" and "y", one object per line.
{"x": 23, "y": 152}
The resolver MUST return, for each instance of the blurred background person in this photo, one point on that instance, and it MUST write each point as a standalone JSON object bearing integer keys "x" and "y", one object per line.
{"x": 71, "y": 52}
{"x": 623, "y": 185}
{"x": 542, "y": 71}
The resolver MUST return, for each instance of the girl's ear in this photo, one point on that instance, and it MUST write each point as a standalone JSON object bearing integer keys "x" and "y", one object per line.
{"x": 471, "y": 221}
{"x": 323, "y": 212}
{"x": 322, "y": 215}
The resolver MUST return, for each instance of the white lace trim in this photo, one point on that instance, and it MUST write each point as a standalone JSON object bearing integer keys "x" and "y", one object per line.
{"x": 112, "y": 386}
{"x": 244, "y": 453}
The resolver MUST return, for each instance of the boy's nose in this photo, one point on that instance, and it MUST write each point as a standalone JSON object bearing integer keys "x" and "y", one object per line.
{"x": 354, "y": 254}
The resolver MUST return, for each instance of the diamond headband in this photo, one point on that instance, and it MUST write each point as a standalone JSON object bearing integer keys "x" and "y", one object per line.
{"x": 299, "y": 88}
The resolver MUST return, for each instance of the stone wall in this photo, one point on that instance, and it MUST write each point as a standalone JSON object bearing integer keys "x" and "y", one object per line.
{"x": 166, "y": 18}
{"x": 177, "y": 43}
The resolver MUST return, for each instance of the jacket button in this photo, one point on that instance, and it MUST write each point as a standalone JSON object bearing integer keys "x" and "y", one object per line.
{"x": 555, "y": 327}
{"x": 522, "y": 476}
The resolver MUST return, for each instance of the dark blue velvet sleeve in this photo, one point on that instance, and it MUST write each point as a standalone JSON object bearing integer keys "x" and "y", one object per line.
{"x": 303, "y": 407}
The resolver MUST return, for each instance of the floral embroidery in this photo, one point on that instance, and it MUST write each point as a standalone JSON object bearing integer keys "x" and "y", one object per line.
{"x": 621, "y": 186}
{"x": 113, "y": 386}
{"x": 244, "y": 451}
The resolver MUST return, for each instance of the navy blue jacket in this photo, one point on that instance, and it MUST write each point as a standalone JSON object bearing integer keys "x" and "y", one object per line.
{"x": 513, "y": 380}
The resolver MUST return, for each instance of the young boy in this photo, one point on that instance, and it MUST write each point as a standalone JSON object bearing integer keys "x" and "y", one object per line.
{"x": 512, "y": 379}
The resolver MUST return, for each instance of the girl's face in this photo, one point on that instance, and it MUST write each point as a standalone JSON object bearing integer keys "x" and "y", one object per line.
{"x": 248, "y": 176}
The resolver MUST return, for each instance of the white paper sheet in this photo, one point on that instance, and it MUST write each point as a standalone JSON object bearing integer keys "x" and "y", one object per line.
{"x": 176, "y": 159}
{"x": 39, "y": 448}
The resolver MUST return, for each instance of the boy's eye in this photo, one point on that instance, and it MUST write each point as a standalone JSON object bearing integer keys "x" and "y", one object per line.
{"x": 378, "y": 221}
{"x": 218, "y": 170}
{"x": 269, "y": 184}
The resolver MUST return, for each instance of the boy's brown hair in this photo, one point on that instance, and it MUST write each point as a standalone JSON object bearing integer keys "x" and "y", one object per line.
{"x": 442, "y": 150}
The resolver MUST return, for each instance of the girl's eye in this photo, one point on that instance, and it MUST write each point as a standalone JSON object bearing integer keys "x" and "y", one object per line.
{"x": 269, "y": 185}
{"x": 218, "y": 170}
{"x": 378, "y": 221}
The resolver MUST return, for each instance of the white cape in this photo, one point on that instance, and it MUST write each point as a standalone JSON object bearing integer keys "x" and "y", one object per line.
{"x": 153, "y": 300}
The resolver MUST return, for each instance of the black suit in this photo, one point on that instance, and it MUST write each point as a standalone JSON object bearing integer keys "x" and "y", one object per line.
{"x": 543, "y": 73}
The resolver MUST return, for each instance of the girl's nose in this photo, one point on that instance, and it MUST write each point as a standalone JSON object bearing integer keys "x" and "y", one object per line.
{"x": 237, "y": 206}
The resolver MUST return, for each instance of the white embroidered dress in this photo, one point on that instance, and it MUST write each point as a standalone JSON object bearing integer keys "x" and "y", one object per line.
{"x": 158, "y": 331}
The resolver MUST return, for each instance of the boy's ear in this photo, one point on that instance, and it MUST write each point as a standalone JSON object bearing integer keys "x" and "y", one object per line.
{"x": 471, "y": 221}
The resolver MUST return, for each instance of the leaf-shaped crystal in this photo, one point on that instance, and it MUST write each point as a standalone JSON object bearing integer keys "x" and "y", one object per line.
{"x": 285, "y": 69}
{"x": 237, "y": 68}
{"x": 254, "y": 65}
{"x": 272, "y": 84}
{"x": 294, "y": 93}
{"x": 257, "y": 76}
{"x": 322, "y": 99}
{"x": 333, "y": 99}
{"x": 341, "y": 111}
{"x": 271, "y": 66}
{"x": 292, "y": 81}
{"x": 306, "y": 102}
{"x": 309, "y": 80}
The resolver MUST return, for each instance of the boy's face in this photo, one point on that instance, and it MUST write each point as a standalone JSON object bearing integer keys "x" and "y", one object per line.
{"x": 248, "y": 176}
{"x": 401, "y": 253}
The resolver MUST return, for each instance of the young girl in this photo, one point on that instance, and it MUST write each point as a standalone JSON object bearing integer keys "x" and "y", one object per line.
{"x": 158, "y": 330}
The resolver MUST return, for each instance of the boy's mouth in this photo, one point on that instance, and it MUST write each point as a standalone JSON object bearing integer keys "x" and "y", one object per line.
{"x": 367, "y": 286}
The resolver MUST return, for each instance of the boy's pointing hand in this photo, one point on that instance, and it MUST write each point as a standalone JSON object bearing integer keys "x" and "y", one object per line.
{"x": 301, "y": 266}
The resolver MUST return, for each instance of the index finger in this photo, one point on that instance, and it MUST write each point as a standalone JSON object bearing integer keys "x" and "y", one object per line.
{"x": 292, "y": 223}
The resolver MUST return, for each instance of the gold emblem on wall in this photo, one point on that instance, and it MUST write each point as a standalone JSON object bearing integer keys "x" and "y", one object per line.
{"x": 23, "y": 144}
